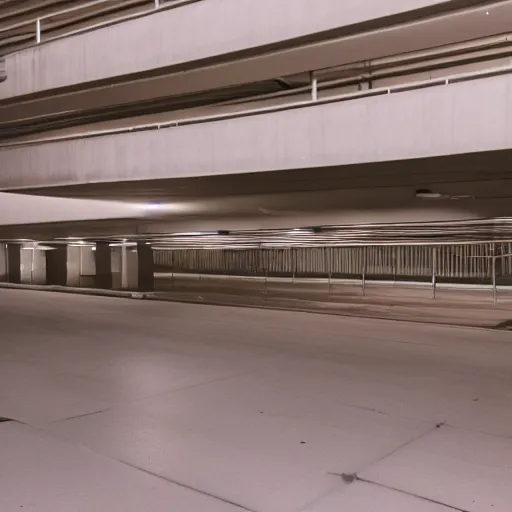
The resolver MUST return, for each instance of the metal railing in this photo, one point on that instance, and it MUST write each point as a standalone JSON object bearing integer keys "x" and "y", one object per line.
{"x": 38, "y": 28}
{"x": 39, "y": 20}
{"x": 482, "y": 264}
{"x": 314, "y": 101}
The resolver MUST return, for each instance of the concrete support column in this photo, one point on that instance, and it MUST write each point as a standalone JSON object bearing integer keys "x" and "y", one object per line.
{"x": 145, "y": 267}
{"x": 115, "y": 255}
{"x": 103, "y": 260}
{"x": 73, "y": 265}
{"x": 57, "y": 266}
{"x": 27, "y": 263}
{"x": 3, "y": 262}
{"x": 13, "y": 263}
{"x": 87, "y": 266}
{"x": 38, "y": 275}
{"x": 133, "y": 267}
{"x": 33, "y": 265}
{"x": 128, "y": 272}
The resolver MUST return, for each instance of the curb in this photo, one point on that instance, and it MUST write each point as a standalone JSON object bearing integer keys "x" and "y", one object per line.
{"x": 152, "y": 296}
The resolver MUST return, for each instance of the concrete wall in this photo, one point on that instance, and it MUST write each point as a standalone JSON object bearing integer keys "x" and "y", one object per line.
{"x": 459, "y": 118}
{"x": 170, "y": 38}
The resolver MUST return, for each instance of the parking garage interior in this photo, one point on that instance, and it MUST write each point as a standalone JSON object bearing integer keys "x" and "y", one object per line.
{"x": 255, "y": 255}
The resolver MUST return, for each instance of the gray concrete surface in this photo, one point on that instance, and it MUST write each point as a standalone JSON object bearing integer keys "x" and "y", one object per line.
{"x": 413, "y": 124}
{"x": 463, "y": 305}
{"x": 171, "y": 38}
{"x": 458, "y": 305}
{"x": 138, "y": 405}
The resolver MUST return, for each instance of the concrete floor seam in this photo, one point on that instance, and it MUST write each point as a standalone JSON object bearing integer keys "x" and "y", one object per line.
{"x": 349, "y": 477}
{"x": 357, "y": 478}
{"x": 78, "y": 416}
{"x": 46, "y": 432}
{"x": 311, "y": 402}
{"x": 185, "y": 486}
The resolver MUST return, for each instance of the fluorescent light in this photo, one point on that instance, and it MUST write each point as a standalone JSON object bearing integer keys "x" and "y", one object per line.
{"x": 195, "y": 233}
{"x": 120, "y": 244}
{"x": 425, "y": 193}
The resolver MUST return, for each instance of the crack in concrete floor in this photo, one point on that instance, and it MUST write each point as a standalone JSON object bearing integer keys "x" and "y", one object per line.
{"x": 356, "y": 478}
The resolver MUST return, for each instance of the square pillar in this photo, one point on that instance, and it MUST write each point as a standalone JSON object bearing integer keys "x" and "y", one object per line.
{"x": 67, "y": 264}
{"x": 133, "y": 267}
{"x": 13, "y": 267}
{"x": 103, "y": 262}
{"x": 33, "y": 266}
{"x": 115, "y": 255}
{"x": 38, "y": 267}
{"x": 145, "y": 270}
{"x": 73, "y": 265}
{"x": 57, "y": 266}
{"x": 3, "y": 263}
{"x": 87, "y": 266}
{"x": 124, "y": 267}
{"x": 27, "y": 255}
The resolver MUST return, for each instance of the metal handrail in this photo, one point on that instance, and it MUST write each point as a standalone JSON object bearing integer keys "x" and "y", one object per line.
{"x": 158, "y": 4}
{"x": 64, "y": 11}
{"x": 314, "y": 101}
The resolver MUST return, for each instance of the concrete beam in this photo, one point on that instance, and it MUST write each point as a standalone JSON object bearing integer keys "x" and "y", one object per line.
{"x": 459, "y": 118}
{"x": 17, "y": 210}
{"x": 13, "y": 263}
{"x": 427, "y": 33}
{"x": 170, "y": 38}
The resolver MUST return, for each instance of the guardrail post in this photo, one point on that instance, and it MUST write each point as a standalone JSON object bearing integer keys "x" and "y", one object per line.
{"x": 314, "y": 87}
{"x": 267, "y": 264}
{"x": 172, "y": 270}
{"x": 329, "y": 259}
{"x": 434, "y": 271}
{"x": 32, "y": 261}
{"x": 363, "y": 272}
{"x": 294, "y": 265}
{"x": 494, "y": 290}
{"x": 38, "y": 30}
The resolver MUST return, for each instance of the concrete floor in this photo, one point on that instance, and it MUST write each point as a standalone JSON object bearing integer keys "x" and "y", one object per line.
{"x": 125, "y": 405}
{"x": 468, "y": 305}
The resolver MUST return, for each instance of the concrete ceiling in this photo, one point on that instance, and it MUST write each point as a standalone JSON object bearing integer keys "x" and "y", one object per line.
{"x": 476, "y": 186}
{"x": 448, "y": 170}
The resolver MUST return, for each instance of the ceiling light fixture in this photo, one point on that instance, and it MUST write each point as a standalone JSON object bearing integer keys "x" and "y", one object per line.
{"x": 425, "y": 193}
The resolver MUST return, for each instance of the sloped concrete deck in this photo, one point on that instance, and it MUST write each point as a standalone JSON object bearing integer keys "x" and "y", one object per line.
{"x": 133, "y": 405}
